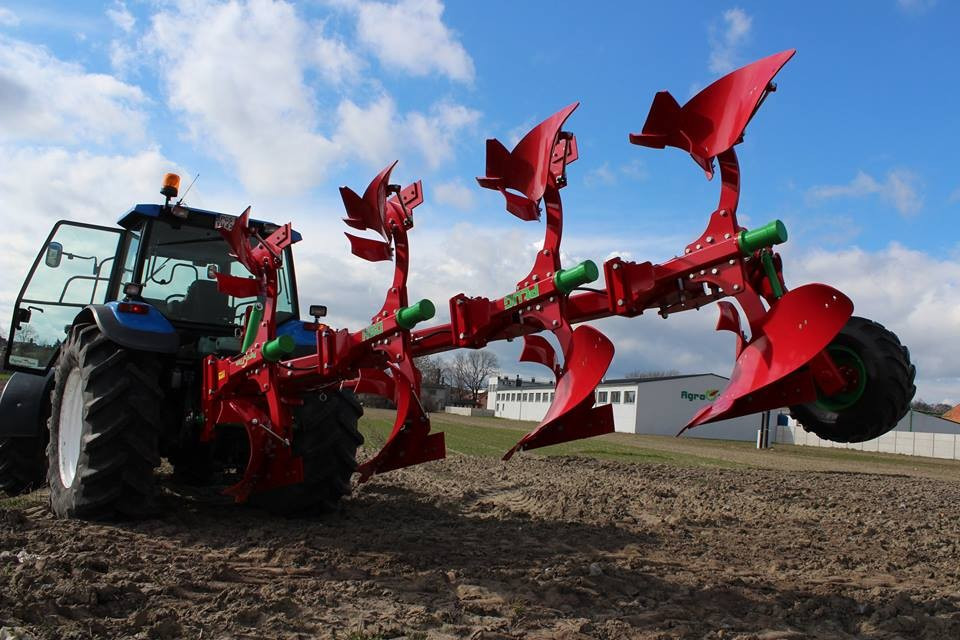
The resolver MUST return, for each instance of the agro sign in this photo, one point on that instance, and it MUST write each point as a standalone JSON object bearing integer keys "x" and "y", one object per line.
{"x": 709, "y": 394}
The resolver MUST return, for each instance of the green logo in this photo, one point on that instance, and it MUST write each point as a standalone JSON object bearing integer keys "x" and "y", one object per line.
{"x": 373, "y": 330}
{"x": 709, "y": 394}
{"x": 519, "y": 297}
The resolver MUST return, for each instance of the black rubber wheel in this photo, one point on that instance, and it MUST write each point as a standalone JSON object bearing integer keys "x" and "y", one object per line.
{"x": 875, "y": 405}
{"x": 23, "y": 465}
{"x": 106, "y": 404}
{"x": 326, "y": 436}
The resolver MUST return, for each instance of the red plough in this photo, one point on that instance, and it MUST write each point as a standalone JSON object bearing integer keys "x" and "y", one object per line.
{"x": 791, "y": 352}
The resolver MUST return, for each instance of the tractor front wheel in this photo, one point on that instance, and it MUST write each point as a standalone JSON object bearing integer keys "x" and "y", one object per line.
{"x": 104, "y": 428}
{"x": 326, "y": 437}
{"x": 880, "y": 390}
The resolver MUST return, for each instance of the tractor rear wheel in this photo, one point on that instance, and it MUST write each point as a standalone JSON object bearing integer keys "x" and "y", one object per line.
{"x": 326, "y": 437}
{"x": 23, "y": 465}
{"x": 880, "y": 391}
{"x": 104, "y": 428}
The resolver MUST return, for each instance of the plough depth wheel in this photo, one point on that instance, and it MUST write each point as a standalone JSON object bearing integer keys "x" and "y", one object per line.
{"x": 880, "y": 385}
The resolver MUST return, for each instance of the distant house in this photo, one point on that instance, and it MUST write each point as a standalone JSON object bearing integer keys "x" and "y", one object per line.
{"x": 434, "y": 396}
{"x": 659, "y": 406}
{"x": 953, "y": 415}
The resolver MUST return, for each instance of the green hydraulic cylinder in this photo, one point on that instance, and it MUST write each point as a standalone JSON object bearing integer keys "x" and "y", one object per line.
{"x": 253, "y": 321}
{"x": 772, "y": 233}
{"x": 409, "y": 317}
{"x": 274, "y": 350}
{"x": 566, "y": 280}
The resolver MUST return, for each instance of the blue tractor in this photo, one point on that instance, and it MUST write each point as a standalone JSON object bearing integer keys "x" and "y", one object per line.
{"x": 106, "y": 341}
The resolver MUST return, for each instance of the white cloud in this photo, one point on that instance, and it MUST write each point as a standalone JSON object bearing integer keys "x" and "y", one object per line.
{"x": 883, "y": 287}
{"x": 435, "y": 132}
{"x": 121, "y": 16}
{"x": 901, "y": 188}
{"x": 41, "y": 186}
{"x": 238, "y": 73}
{"x": 600, "y": 176}
{"x": 376, "y": 133}
{"x": 335, "y": 61}
{"x": 8, "y": 18}
{"x": 727, "y": 38}
{"x": 43, "y": 98}
{"x": 455, "y": 194}
{"x": 635, "y": 170}
{"x": 410, "y": 35}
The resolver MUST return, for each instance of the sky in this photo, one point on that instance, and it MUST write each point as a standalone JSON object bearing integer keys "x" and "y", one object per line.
{"x": 276, "y": 104}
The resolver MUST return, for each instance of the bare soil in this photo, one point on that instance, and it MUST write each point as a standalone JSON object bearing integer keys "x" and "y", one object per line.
{"x": 534, "y": 548}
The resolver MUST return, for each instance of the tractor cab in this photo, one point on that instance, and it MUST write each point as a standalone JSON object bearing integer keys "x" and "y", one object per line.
{"x": 151, "y": 282}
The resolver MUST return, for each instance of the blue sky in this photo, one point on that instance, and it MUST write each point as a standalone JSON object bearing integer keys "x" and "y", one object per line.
{"x": 277, "y": 104}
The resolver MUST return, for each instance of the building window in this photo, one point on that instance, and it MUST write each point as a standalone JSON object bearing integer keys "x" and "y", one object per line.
{"x": 540, "y": 397}
{"x": 629, "y": 397}
{"x": 614, "y": 397}
{"x": 601, "y": 396}
{"x": 526, "y": 397}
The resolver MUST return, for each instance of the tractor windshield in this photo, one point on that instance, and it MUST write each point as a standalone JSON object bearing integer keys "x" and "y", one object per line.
{"x": 179, "y": 277}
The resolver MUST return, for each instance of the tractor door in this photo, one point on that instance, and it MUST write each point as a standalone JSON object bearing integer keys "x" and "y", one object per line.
{"x": 75, "y": 268}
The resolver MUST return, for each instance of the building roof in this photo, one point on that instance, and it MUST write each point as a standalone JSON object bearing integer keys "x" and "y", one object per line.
{"x": 953, "y": 414}
{"x": 511, "y": 384}
{"x": 658, "y": 378}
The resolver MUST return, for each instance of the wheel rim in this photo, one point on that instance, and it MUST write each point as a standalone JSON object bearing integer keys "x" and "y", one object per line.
{"x": 853, "y": 369}
{"x": 70, "y": 427}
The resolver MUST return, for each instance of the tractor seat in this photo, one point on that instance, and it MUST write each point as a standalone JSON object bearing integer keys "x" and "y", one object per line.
{"x": 204, "y": 302}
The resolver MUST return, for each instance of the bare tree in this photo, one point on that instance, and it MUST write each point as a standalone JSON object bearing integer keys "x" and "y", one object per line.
{"x": 640, "y": 373}
{"x": 434, "y": 369}
{"x": 472, "y": 369}
{"x": 933, "y": 408}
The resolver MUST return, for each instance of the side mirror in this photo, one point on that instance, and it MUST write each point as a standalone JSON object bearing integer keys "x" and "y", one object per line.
{"x": 22, "y": 317}
{"x": 212, "y": 270}
{"x": 54, "y": 255}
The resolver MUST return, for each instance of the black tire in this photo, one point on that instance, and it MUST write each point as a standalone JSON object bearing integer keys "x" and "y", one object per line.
{"x": 326, "y": 436}
{"x": 120, "y": 426}
{"x": 23, "y": 465}
{"x": 886, "y": 396}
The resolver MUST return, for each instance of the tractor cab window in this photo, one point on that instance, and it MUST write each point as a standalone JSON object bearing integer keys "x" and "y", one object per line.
{"x": 73, "y": 270}
{"x": 179, "y": 277}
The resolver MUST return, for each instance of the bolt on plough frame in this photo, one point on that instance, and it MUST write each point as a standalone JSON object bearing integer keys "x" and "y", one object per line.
{"x": 783, "y": 361}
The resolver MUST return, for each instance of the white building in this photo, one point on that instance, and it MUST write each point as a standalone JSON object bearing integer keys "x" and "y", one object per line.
{"x": 660, "y": 406}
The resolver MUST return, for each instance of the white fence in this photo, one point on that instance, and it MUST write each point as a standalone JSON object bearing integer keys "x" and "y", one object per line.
{"x": 932, "y": 445}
